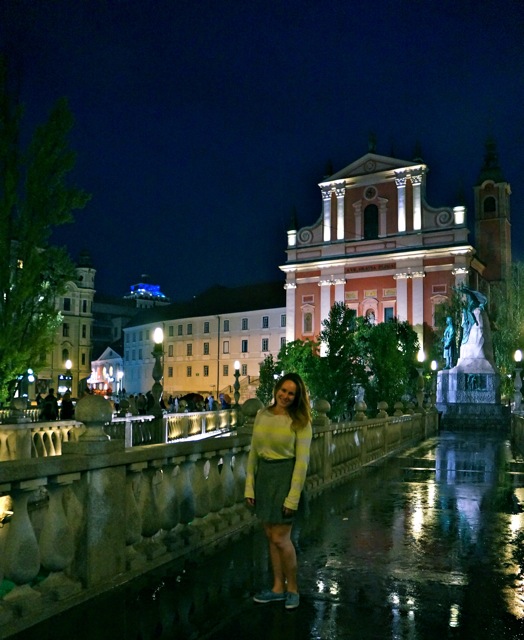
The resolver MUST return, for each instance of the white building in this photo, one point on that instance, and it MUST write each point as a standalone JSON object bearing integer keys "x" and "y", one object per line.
{"x": 204, "y": 337}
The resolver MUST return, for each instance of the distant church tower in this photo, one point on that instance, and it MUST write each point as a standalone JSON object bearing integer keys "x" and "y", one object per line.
{"x": 492, "y": 218}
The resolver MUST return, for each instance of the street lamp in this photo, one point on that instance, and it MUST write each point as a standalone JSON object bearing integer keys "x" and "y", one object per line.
{"x": 158, "y": 369}
{"x": 421, "y": 356}
{"x": 236, "y": 386}
{"x": 517, "y": 396}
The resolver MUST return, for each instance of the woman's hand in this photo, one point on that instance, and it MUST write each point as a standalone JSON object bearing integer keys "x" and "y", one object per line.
{"x": 288, "y": 513}
{"x": 250, "y": 502}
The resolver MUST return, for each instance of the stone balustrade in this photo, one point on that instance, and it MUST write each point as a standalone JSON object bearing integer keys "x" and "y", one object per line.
{"x": 76, "y": 524}
{"x": 31, "y": 438}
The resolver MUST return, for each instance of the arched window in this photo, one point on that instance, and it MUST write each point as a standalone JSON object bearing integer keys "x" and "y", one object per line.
{"x": 371, "y": 222}
{"x": 65, "y": 355}
{"x": 490, "y": 206}
{"x": 308, "y": 322}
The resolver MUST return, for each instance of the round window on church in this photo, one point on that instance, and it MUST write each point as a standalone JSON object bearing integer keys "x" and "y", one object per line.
{"x": 370, "y": 193}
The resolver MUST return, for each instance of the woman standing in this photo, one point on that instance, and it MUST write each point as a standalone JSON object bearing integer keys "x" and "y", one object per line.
{"x": 276, "y": 472}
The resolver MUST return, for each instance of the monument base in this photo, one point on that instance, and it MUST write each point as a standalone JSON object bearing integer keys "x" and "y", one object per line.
{"x": 470, "y": 400}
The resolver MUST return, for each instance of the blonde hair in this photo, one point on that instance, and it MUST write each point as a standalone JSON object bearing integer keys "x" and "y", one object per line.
{"x": 299, "y": 410}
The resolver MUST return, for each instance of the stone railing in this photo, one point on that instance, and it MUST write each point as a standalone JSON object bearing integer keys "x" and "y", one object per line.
{"x": 36, "y": 439}
{"x": 517, "y": 432}
{"x": 77, "y": 524}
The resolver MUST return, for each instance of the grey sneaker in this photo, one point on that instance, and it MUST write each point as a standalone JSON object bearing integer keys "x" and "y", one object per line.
{"x": 268, "y": 596}
{"x": 292, "y": 600}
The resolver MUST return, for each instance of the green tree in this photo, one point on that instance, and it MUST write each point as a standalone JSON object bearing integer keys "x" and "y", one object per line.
{"x": 341, "y": 369}
{"x": 389, "y": 350}
{"x": 506, "y": 307}
{"x": 300, "y": 356}
{"x": 268, "y": 373}
{"x": 34, "y": 197}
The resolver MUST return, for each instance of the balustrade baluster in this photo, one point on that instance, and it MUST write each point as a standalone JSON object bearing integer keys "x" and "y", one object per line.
{"x": 21, "y": 559}
{"x": 133, "y": 517}
{"x": 148, "y": 506}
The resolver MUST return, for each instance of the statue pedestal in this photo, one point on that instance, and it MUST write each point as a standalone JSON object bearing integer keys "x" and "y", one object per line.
{"x": 469, "y": 399}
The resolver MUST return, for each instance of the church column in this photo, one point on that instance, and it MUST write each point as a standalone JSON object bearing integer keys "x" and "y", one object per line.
{"x": 417, "y": 302}
{"x": 401, "y": 195}
{"x": 402, "y": 296}
{"x": 461, "y": 274}
{"x": 340, "y": 286}
{"x": 325, "y": 304}
{"x": 340, "y": 192}
{"x": 290, "y": 288}
{"x": 326, "y": 204}
{"x": 416, "y": 181}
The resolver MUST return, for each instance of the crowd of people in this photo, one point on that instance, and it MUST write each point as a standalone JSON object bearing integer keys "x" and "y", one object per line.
{"x": 52, "y": 407}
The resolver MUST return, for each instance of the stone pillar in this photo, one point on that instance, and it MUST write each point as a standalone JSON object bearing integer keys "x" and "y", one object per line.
{"x": 402, "y": 295}
{"x": 326, "y": 207}
{"x": 340, "y": 192}
{"x": 401, "y": 194}
{"x": 416, "y": 181}
{"x": 290, "y": 288}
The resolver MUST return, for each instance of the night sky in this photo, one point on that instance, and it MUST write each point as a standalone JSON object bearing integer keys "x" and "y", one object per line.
{"x": 199, "y": 125}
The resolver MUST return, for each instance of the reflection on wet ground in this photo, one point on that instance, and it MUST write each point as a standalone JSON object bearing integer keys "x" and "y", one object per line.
{"x": 428, "y": 545}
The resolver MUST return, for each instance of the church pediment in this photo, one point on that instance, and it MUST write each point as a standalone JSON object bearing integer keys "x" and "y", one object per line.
{"x": 371, "y": 163}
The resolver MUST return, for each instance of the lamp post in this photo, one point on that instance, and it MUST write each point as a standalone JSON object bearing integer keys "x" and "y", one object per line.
{"x": 158, "y": 370}
{"x": 434, "y": 369}
{"x": 236, "y": 386}
{"x": 421, "y": 356}
{"x": 517, "y": 385}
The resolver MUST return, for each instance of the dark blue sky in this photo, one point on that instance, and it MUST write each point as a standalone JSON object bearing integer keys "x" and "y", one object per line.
{"x": 200, "y": 125}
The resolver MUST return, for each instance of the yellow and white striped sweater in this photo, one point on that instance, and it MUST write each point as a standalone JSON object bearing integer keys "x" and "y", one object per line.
{"x": 273, "y": 439}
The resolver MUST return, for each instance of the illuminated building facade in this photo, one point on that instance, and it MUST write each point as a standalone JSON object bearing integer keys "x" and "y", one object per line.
{"x": 382, "y": 250}
{"x": 204, "y": 337}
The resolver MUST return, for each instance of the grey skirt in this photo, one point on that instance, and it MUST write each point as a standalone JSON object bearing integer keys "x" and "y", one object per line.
{"x": 272, "y": 484}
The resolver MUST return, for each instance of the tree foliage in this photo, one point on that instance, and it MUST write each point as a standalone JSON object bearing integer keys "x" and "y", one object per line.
{"x": 389, "y": 350}
{"x": 268, "y": 373}
{"x": 507, "y": 322}
{"x": 34, "y": 197}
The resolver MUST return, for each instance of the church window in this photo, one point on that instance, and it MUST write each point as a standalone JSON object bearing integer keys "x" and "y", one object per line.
{"x": 308, "y": 322}
{"x": 490, "y": 206}
{"x": 371, "y": 222}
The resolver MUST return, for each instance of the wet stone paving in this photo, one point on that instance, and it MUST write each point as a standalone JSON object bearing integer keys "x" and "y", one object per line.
{"x": 427, "y": 545}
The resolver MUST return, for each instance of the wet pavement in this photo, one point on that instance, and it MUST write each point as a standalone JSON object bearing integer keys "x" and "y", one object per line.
{"x": 428, "y": 545}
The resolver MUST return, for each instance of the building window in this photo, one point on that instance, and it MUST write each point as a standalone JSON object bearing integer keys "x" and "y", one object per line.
{"x": 189, "y": 329}
{"x": 308, "y": 322}
{"x": 388, "y": 314}
{"x": 171, "y": 330}
{"x": 206, "y": 348}
{"x": 282, "y": 341}
{"x": 65, "y": 355}
{"x": 84, "y": 331}
{"x": 65, "y": 330}
{"x": 225, "y": 370}
{"x": 245, "y": 324}
{"x": 147, "y": 334}
{"x": 140, "y": 334}
{"x": 244, "y": 346}
{"x": 84, "y": 306}
{"x": 83, "y": 359}
{"x": 371, "y": 222}
{"x": 206, "y": 327}
{"x": 226, "y": 325}
{"x": 134, "y": 354}
{"x": 283, "y": 320}
{"x": 189, "y": 349}
{"x": 170, "y": 350}
{"x": 140, "y": 354}
{"x": 179, "y": 329}
{"x": 189, "y": 371}
{"x": 265, "y": 344}
{"x": 225, "y": 346}
{"x": 490, "y": 206}
{"x": 206, "y": 371}
{"x": 170, "y": 372}
{"x": 67, "y": 304}
{"x": 265, "y": 322}
{"x": 244, "y": 370}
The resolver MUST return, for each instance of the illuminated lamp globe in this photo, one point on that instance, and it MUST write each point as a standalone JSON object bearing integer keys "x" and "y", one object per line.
{"x": 158, "y": 335}
{"x": 518, "y": 356}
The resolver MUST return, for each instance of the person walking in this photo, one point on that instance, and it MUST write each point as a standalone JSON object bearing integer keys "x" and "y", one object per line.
{"x": 275, "y": 476}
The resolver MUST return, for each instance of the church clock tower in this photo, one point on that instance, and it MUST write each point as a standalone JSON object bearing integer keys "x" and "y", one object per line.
{"x": 492, "y": 218}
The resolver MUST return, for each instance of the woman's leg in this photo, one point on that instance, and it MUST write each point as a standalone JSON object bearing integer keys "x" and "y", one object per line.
{"x": 283, "y": 557}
